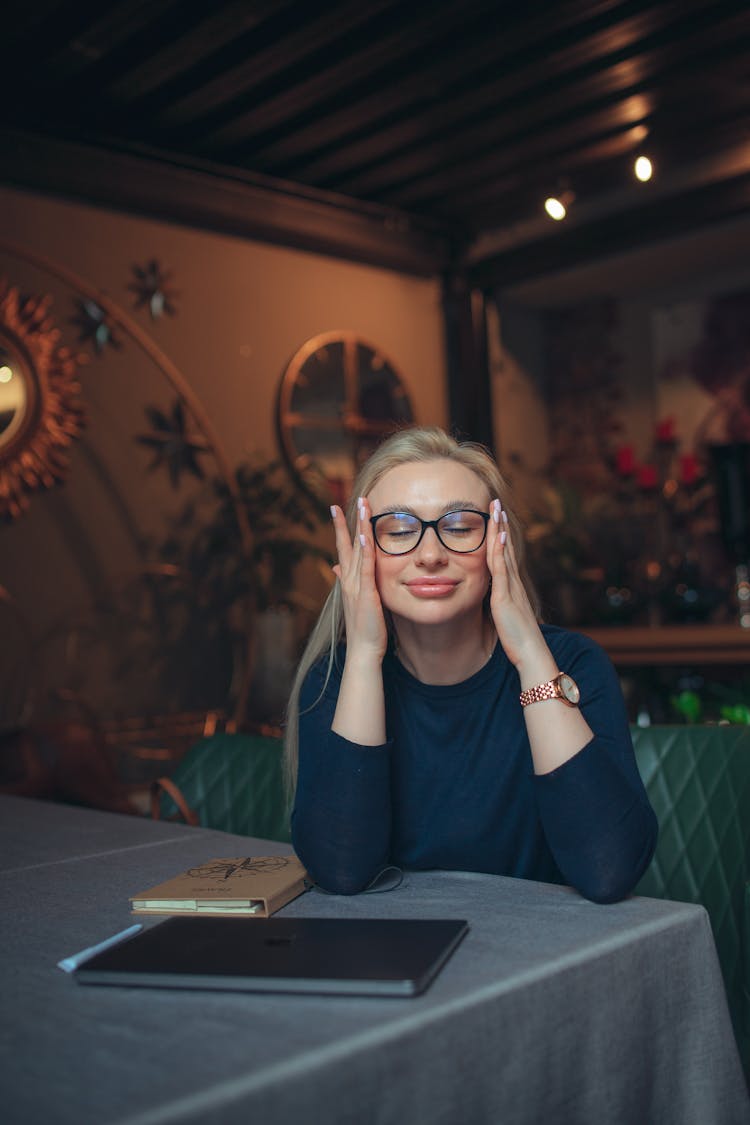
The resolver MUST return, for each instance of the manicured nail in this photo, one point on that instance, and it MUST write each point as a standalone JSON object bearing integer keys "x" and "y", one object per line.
{"x": 503, "y": 536}
{"x": 496, "y": 511}
{"x": 333, "y": 511}
{"x": 362, "y": 540}
{"x": 505, "y": 517}
{"x": 360, "y": 502}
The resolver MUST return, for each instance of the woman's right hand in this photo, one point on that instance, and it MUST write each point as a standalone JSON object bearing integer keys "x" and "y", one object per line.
{"x": 366, "y": 631}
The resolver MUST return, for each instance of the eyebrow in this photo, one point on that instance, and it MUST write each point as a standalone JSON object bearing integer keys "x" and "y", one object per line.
{"x": 451, "y": 506}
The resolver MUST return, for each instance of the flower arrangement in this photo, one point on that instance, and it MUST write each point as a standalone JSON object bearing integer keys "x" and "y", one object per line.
{"x": 670, "y": 499}
{"x": 671, "y": 487}
{"x": 634, "y": 548}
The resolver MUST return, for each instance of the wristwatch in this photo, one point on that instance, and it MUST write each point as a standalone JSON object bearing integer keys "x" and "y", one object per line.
{"x": 561, "y": 687}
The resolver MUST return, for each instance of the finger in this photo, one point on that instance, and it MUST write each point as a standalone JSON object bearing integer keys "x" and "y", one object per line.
{"x": 498, "y": 534}
{"x": 365, "y": 534}
{"x": 343, "y": 540}
{"x": 511, "y": 561}
{"x": 493, "y": 530}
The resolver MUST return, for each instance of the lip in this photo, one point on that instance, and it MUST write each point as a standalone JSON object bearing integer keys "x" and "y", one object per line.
{"x": 431, "y": 587}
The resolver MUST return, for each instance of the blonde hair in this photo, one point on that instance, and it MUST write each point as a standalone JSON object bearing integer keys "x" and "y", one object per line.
{"x": 417, "y": 444}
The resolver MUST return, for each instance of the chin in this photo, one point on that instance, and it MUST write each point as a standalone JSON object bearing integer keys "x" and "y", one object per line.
{"x": 425, "y": 611}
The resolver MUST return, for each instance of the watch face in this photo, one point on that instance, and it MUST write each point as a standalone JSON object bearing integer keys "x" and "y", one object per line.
{"x": 569, "y": 688}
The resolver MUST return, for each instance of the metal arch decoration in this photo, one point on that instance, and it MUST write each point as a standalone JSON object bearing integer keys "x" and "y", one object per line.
{"x": 180, "y": 385}
{"x": 41, "y": 408}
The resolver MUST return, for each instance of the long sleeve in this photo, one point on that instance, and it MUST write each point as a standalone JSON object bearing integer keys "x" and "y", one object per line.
{"x": 341, "y": 821}
{"x": 596, "y": 816}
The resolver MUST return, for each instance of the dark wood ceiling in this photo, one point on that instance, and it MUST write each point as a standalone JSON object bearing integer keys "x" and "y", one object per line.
{"x": 463, "y": 115}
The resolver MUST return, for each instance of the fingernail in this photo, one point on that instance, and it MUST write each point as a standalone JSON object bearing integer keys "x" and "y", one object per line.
{"x": 505, "y": 516}
{"x": 360, "y": 502}
{"x": 362, "y": 540}
{"x": 362, "y": 513}
{"x": 496, "y": 511}
{"x": 333, "y": 511}
{"x": 503, "y": 536}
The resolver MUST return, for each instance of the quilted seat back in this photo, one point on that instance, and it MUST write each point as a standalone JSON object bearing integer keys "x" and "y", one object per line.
{"x": 698, "y": 781}
{"x": 234, "y": 783}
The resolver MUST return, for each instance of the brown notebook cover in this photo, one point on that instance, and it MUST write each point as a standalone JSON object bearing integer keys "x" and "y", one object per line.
{"x": 255, "y": 886}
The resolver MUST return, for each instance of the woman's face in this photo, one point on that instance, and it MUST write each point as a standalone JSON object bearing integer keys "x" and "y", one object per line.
{"x": 430, "y": 585}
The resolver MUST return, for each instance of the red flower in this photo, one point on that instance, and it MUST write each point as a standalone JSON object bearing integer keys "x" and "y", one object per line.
{"x": 625, "y": 460}
{"x": 665, "y": 431}
{"x": 647, "y": 478}
{"x": 689, "y": 468}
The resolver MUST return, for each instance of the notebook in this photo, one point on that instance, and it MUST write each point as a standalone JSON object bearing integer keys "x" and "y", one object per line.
{"x": 348, "y": 956}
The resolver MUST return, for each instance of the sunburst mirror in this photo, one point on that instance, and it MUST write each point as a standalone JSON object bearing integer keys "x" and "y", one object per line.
{"x": 41, "y": 409}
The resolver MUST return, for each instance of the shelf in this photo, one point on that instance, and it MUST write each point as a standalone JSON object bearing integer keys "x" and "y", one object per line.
{"x": 674, "y": 644}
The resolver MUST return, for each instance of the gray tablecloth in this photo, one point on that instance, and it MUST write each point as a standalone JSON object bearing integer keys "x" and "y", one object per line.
{"x": 552, "y": 1009}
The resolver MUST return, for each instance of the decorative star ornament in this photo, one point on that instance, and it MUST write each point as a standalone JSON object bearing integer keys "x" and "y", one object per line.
{"x": 152, "y": 287}
{"x": 95, "y": 325}
{"x": 172, "y": 444}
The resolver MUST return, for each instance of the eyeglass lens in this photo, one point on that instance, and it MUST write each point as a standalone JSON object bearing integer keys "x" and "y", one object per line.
{"x": 399, "y": 532}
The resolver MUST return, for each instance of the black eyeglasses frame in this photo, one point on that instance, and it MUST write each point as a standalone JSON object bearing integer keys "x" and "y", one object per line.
{"x": 434, "y": 525}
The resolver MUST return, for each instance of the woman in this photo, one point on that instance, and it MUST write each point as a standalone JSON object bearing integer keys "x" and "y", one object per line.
{"x": 434, "y": 723}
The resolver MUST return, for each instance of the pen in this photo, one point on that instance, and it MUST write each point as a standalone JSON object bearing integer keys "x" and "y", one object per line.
{"x": 68, "y": 964}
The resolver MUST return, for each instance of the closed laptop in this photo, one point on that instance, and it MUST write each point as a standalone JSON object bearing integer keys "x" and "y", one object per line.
{"x": 350, "y": 956}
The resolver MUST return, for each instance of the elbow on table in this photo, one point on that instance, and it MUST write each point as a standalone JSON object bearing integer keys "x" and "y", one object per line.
{"x": 615, "y": 884}
{"x": 340, "y": 883}
{"x": 330, "y": 873}
{"x": 604, "y": 894}
{"x": 331, "y": 865}
{"x": 615, "y": 879}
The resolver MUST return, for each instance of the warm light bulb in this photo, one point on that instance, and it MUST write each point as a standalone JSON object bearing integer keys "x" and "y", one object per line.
{"x": 555, "y": 208}
{"x": 643, "y": 169}
{"x": 5, "y": 374}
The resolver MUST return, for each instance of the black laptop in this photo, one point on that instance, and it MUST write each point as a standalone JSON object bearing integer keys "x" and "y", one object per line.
{"x": 347, "y": 956}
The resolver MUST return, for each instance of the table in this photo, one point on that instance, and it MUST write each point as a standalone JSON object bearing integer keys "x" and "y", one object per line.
{"x": 552, "y": 1008}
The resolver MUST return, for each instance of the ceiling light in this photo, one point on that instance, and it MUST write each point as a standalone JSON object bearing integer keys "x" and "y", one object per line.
{"x": 558, "y": 205}
{"x": 643, "y": 168}
{"x": 555, "y": 208}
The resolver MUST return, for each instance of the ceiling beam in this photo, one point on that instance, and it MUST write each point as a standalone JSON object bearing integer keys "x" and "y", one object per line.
{"x": 712, "y": 192}
{"x": 215, "y": 198}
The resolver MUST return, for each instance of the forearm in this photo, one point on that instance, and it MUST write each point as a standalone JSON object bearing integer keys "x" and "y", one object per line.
{"x": 593, "y": 804}
{"x": 341, "y": 821}
{"x": 342, "y": 818}
{"x": 556, "y": 731}
{"x": 360, "y": 709}
{"x": 600, "y": 827}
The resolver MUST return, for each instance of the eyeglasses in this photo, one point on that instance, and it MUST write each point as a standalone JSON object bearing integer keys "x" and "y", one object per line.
{"x": 398, "y": 533}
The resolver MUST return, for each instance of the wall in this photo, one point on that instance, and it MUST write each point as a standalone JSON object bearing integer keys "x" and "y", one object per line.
{"x": 243, "y": 309}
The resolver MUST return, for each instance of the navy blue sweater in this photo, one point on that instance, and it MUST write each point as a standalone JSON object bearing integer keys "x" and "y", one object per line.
{"x": 454, "y": 786}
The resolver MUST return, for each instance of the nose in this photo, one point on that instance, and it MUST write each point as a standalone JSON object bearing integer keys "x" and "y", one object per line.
{"x": 431, "y": 551}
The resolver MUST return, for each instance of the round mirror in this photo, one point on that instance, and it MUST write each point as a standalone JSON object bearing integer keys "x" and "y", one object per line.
{"x": 339, "y": 397}
{"x": 15, "y": 391}
{"x": 41, "y": 410}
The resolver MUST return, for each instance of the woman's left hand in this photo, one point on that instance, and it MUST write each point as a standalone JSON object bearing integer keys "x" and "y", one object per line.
{"x": 512, "y": 613}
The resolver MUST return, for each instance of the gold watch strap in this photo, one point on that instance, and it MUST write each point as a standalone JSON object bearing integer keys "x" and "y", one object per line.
{"x": 540, "y": 692}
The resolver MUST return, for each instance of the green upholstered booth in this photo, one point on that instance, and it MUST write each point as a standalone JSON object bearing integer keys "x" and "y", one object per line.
{"x": 233, "y": 782}
{"x": 698, "y": 780}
